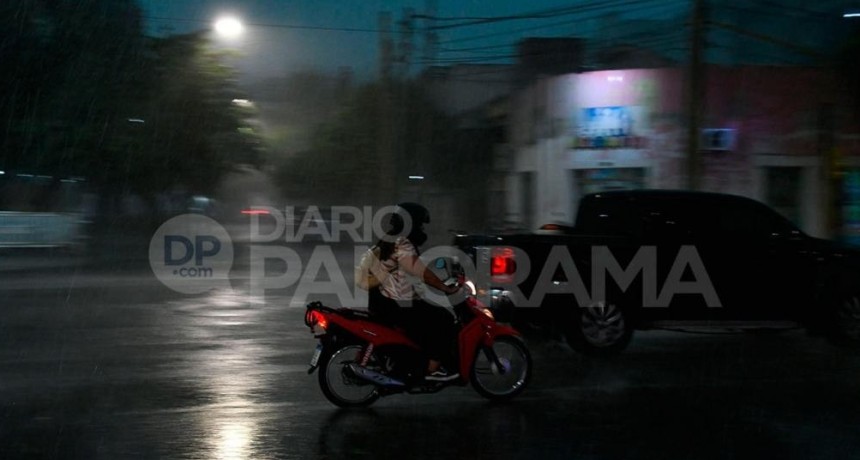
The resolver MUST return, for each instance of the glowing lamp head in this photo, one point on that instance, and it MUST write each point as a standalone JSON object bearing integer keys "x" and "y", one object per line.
{"x": 229, "y": 27}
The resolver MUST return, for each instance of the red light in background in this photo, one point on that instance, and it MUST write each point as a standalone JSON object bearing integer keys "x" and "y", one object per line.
{"x": 502, "y": 262}
{"x": 255, "y": 212}
{"x": 498, "y": 266}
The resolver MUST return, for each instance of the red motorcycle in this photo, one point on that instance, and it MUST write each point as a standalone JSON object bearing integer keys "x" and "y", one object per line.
{"x": 361, "y": 359}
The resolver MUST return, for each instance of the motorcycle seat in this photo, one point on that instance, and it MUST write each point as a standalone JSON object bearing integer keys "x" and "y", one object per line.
{"x": 364, "y": 314}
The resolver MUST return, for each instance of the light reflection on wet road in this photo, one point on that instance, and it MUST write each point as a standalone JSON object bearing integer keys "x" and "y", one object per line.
{"x": 137, "y": 372}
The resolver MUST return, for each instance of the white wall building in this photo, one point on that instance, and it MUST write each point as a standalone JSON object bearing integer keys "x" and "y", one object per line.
{"x": 626, "y": 129}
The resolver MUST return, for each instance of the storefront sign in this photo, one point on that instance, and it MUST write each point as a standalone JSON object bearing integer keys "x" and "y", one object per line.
{"x": 607, "y": 128}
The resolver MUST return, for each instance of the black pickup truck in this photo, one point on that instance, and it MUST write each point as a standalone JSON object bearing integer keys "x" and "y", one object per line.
{"x": 638, "y": 259}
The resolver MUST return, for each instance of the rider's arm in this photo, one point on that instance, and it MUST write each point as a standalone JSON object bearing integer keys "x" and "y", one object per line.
{"x": 413, "y": 265}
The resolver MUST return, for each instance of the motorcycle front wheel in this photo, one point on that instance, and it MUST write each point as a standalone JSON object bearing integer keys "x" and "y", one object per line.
{"x": 506, "y": 375}
{"x": 340, "y": 385}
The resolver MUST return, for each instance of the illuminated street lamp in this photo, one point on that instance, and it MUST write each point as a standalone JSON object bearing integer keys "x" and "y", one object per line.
{"x": 229, "y": 27}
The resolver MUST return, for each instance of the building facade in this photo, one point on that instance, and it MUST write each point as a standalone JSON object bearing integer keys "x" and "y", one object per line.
{"x": 770, "y": 133}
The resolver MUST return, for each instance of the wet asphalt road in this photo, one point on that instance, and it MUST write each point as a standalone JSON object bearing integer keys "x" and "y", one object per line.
{"x": 115, "y": 366}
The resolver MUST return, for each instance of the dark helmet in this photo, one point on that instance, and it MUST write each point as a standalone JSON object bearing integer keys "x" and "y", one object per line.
{"x": 418, "y": 214}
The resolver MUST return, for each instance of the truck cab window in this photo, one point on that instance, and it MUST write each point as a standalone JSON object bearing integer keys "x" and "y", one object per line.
{"x": 606, "y": 217}
{"x": 750, "y": 220}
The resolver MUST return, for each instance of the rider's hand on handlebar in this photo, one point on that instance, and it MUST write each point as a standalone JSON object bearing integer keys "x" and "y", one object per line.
{"x": 453, "y": 289}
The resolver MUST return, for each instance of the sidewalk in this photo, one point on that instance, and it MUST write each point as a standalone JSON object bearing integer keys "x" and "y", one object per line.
{"x": 121, "y": 251}
{"x": 120, "y": 258}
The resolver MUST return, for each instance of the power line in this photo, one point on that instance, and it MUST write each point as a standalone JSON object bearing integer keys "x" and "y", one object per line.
{"x": 784, "y": 11}
{"x": 539, "y": 14}
{"x": 767, "y": 39}
{"x": 595, "y": 9}
{"x": 663, "y": 44}
{"x": 654, "y": 37}
{"x": 641, "y": 38}
{"x": 757, "y": 53}
{"x": 659, "y": 30}
{"x": 477, "y": 48}
{"x": 524, "y": 29}
{"x": 498, "y": 69}
{"x": 491, "y": 69}
{"x": 654, "y": 44}
{"x": 658, "y": 44}
{"x": 473, "y": 59}
{"x": 801, "y": 10}
{"x": 533, "y": 15}
{"x": 645, "y": 42}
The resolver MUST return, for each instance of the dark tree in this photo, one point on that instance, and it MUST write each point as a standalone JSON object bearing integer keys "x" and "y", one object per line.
{"x": 196, "y": 124}
{"x": 87, "y": 94}
{"x": 69, "y": 68}
{"x": 379, "y": 134}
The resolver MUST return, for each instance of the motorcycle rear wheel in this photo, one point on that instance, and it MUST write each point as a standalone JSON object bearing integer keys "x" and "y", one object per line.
{"x": 502, "y": 384}
{"x": 340, "y": 386}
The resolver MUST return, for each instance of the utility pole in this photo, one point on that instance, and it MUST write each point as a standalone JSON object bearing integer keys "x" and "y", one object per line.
{"x": 407, "y": 33}
{"x": 695, "y": 93}
{"x": 430, "y": 36}
{"x": 402, "y": 157}
{"x": 386, "y": 47}
{"x": 385, "y": 156}
{"x": 830, "y": 170}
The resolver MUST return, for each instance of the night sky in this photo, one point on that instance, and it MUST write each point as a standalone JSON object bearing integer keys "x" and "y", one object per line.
{"x": 273, "y": 46}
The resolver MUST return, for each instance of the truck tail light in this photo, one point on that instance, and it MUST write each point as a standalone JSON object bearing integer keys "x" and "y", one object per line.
{"x": 502, "y": 262}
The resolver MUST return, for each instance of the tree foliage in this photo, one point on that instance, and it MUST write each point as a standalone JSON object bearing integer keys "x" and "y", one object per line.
{"x": 87, "y": 94}
{"x": 68, "y": 67}
{"x": 196, "y": 123}
{"x": 381, "y": 134}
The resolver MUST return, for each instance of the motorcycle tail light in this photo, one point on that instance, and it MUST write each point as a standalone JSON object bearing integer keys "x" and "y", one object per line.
{"x": 320, "y": 319}
{"x": 314, "y": 318}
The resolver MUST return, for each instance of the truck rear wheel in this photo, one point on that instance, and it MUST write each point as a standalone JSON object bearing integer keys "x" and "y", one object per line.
{"x": 845, "y": 327}
{"x": 601, "y": 328}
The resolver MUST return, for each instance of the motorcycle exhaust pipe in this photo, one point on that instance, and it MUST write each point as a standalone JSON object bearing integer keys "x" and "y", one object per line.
{"x": 374, "y": 377}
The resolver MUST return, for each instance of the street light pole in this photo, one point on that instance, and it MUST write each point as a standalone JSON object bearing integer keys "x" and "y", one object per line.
{"x": 695, "y": 94}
